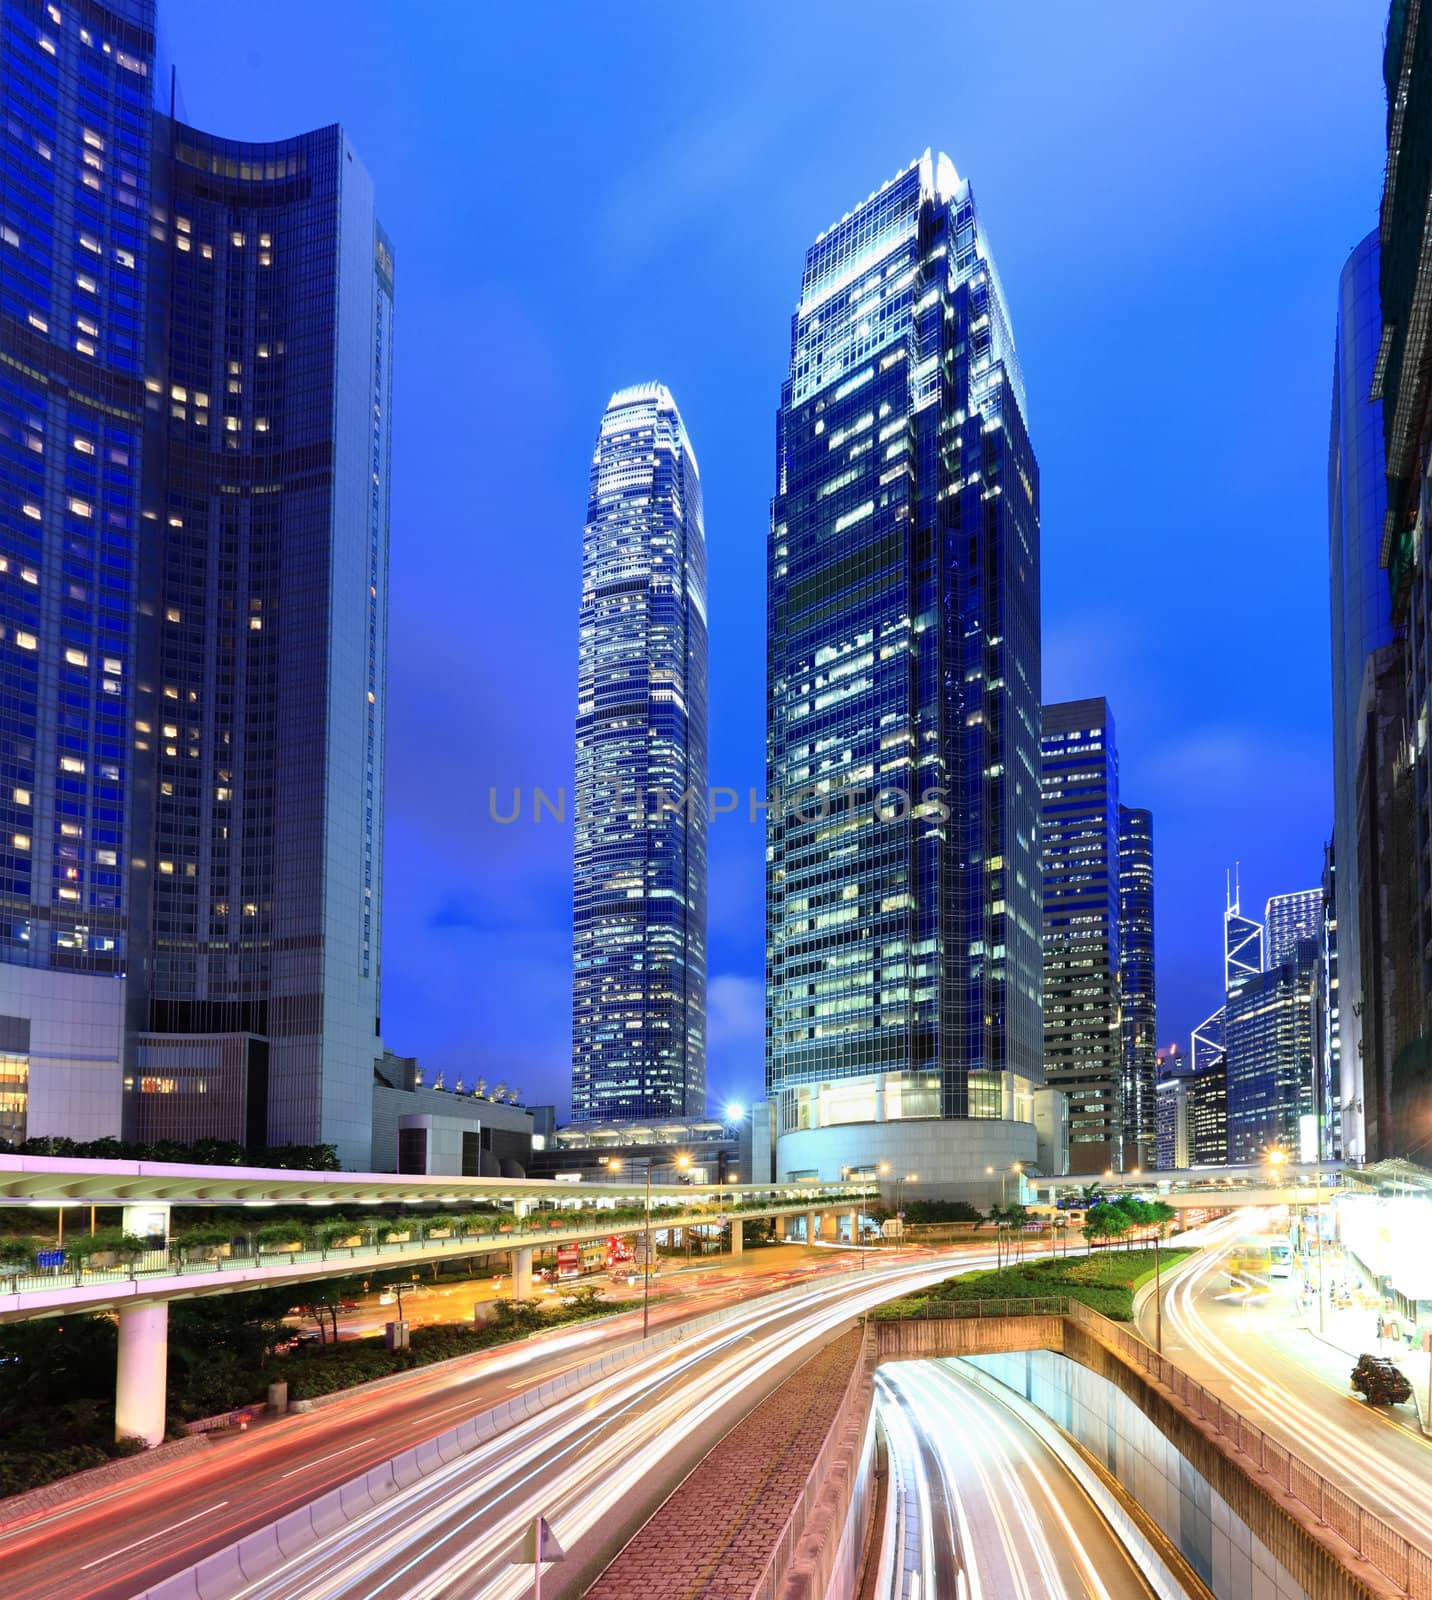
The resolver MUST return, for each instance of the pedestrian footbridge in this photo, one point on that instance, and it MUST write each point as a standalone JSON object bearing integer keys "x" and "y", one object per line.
{"x": 450, "y": 1218}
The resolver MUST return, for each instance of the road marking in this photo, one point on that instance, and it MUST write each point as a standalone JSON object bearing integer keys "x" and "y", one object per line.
{"x": 307, "y": 1464}
{"x": 157, "y": 1534}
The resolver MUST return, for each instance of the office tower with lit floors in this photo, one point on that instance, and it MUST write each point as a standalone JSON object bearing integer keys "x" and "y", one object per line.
{"x": 193, "y": 593}
{"x": 267, "y": 718}
{"x": 1288, "y": 919}
{"x": 639, "y": 879}
{"x": 1084, "y": 1053}
{"x": 74, "y": 283}
{"x": 1137, "y": 988}
{"x": 903, "y": 966}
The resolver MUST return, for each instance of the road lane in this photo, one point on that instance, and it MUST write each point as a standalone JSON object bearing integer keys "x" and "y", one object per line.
{"x": 593, "y": 1463}
{"x": 986, "y": 1510}
{"x": 1236, "y": 1347}
{"x": 274, "y": 1468}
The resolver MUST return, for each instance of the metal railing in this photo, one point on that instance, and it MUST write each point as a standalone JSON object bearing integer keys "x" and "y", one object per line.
{"x": 506, "y": 1233}
{"x": 1396, "y": 1557}
{"x": 944, "y": 1310}
{"x": 773, "y": 1575}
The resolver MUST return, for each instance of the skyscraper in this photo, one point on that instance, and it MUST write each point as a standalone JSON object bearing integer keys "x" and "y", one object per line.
{"x": 1136, "y": 982}
{"x": 267, "y": 718}
{"x": 1084, "y": 1053}
{"x": 902, "y": 884}
{"x": 1288, "y": 919}
{"x": 193, "y": 580}
{"x": 639, "y": 901}
{"x": 74, "y": 270}
{"x": 1361, "y": 625}
{"x": 1174, "y": 1148}
{"x": 1402, "y": 381}
{"x": 1242, "y": 941}
{"x": 1273, "y": 1033}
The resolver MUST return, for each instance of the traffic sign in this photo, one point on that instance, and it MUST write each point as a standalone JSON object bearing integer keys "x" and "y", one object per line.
{"x": 537, "y": 1545}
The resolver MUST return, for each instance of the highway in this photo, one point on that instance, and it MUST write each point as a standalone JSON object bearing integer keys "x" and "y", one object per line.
{"x": 116, "y": 1542}
{"x": 984, "y": 1510}
{"x": 1254, "y": 1353}
{"x": 594, "y": 1464}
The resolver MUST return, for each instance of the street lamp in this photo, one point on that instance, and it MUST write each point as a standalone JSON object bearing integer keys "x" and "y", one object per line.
{"x": 614, "y": 1162}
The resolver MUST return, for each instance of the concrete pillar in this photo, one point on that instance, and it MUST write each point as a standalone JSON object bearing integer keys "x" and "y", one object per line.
{"x": 143, "y": 1371}
{"x": 738, "y": 1237}
{"x": 522, "y": 1274}
{"x": 855, "y": 1227}
{"x": 812, "y": 1227}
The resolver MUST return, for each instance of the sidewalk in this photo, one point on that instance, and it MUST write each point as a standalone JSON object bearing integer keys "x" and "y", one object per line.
{"x": 1348, "y": 1327}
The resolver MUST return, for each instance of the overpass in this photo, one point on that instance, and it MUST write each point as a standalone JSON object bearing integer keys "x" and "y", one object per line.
{"x": 520, "y": 1214}
{"x": 1214, "y": 1188}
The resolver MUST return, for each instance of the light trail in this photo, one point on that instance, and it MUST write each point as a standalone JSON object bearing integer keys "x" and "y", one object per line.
{"x": 450, "y": 1535}
{"x": 1021, "y": 1526}
{"x": 1339, "y": 1447}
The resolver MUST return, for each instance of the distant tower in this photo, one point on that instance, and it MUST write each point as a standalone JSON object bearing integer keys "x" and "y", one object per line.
{"x": 1080, "y": 857}
{"x": 1289, "y": 919}
{"x": 1136, "y": 982}
{"x": 1242, "y": 941}
{"x": 639, "y": 903}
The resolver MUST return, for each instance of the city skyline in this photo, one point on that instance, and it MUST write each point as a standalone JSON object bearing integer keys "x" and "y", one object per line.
{"x": 476, "y": 959}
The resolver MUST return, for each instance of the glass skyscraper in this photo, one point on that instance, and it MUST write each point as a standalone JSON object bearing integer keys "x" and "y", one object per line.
{"x": 639, "y": 883}
{"x": 1287, "y": 920}
{"x": 266, "y": 724}
{"x": 1080, "y": 838}
{"x": 1138, "y": 993}
{"x": 196, "y": 392}
{"x": 1273, "y": 1040}
{"x": 1361, "y": 625}
{"x": 903, "y": 965}
{"x": 74, "y": 268}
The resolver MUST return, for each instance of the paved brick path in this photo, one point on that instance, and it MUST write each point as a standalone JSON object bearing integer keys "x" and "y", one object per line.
{"x": 711, "y": 1538}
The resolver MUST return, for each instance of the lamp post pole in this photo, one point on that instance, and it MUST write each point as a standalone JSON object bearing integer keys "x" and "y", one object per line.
{"x": 646, "y": 1263}
{"x": 1318, "y": 1224}
{"x": 1158, "y": 1298}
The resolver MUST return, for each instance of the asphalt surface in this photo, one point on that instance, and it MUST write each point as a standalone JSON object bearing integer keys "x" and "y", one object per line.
{"x": 1253, "y": 1351}
{"x": 594, "y": 1464}
{"x": 984, "y": 1509}
{"x": 112, "y": 1543}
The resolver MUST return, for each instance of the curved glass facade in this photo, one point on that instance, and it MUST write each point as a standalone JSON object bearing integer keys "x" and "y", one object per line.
{"x": 903, "y": 959}
{"x": 195, "y": 386}
{"x": 639, "y": 908}
{"x": 271, "y": 622}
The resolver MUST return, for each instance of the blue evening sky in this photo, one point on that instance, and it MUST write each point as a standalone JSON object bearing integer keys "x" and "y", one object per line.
{"x": 581, "y": 197}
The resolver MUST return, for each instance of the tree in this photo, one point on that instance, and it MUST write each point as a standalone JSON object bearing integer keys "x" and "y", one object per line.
{"x": 1104, "y": 1221}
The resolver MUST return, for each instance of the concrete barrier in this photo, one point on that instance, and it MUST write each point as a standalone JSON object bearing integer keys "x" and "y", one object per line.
{"x": 219, "y": 1576}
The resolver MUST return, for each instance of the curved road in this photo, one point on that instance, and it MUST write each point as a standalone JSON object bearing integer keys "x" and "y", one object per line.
{"x": 594, "y": 1464}
{"x": 1253, "y": 1355}
{"x": 984, "y": 1510}
{"x": 113, "y": 1541}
